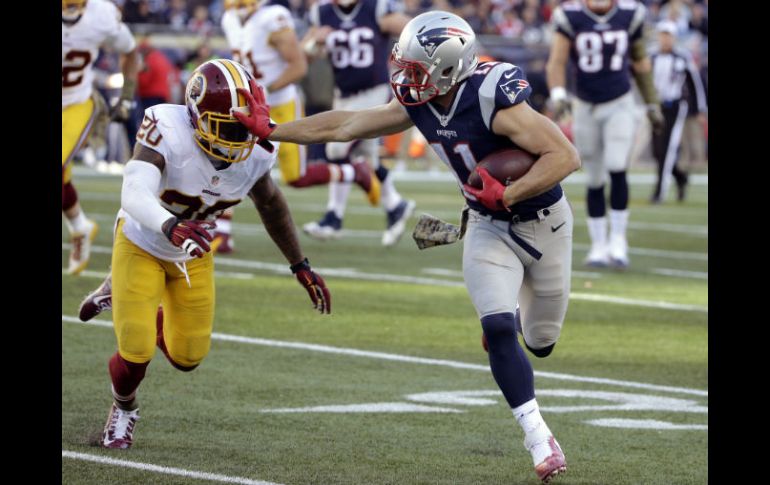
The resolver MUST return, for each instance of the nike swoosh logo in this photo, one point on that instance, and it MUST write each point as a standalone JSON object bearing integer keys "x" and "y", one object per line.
{"x": 508, "y": 76}
{"x": 554, "y": 229}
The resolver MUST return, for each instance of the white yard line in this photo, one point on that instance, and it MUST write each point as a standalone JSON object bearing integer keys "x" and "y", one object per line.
{"x": 700, "y": 275}
{"x": 413, "y": 360}
{"x": 166, "y": 470}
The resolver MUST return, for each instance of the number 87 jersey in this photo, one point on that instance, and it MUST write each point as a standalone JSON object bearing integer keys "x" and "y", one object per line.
{"x": 600, "y": 46}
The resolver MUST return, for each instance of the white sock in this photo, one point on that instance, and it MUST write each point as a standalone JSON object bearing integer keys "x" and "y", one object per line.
{"x": 348, "y": 172}
{"x": 78, "y": 224}
{"x": 535, "y": 429}
{"x": 618, "y": 223}
{"x": 390, "y": 196}
{"x": 338, "y": 198}
{"x": 597, "y": 229}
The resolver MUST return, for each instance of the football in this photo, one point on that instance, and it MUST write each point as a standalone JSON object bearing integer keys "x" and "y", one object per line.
{"x": 505, "y": 165}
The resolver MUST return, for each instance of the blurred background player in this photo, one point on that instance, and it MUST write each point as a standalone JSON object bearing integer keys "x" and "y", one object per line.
{"x": 675, "y": 76}
{"x": 355, "y": 34}
{"x": 88, "y": 25}
{"x": 600, "y": 36}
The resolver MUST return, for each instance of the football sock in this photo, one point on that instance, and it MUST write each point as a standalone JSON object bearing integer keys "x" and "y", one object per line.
{"x": 317, "y": 174}
{"x": 69, "y": 196}
{"x": 338, "y": 198}
{"x": 535, "y": 429}
{"x": 390, "y": 196}
{"x": 348, "y": 172}
{"x": 597, "y": 229}
{"x": 78, "y": 224}
{"x": 595, "y": 202}
{"x": 618, "y": 223}
{"x": 618, "y": 190}
{"x": 126, "y": 377}
{"x": 224, "y": 224}
{"x": 510, "y": 366}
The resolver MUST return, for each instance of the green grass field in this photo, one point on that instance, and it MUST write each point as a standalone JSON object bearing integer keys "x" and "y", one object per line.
{"x": 633, "y": 353}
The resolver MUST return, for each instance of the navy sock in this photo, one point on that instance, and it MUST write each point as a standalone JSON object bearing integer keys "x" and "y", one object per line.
{"x": 595, "y": 202}
{"x": 510, "y": 366}
{"x": 618, "y": 191}
{"x": 381, "y": 173}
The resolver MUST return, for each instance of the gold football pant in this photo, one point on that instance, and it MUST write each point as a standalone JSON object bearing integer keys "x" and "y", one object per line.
{"x": 291, "y": 157}
{"x": 76, "y": 123}
{"x": 140, "y": 282}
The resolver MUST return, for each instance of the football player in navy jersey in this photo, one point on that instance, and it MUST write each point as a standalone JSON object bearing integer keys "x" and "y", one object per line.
{"x": 600, "y": 36}
{"x": 518, "y": 243}
{"x": 355, "y": 35}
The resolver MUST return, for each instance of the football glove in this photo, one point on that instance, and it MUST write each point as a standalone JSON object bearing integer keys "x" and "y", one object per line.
{"x": 491, "y": 195}
{"x": 258, "y": 119}
{"x": 655, "y": 115}
{"x": 314, "y": 284}
{"x": 121, "y": 110}
{"x": 192, "y": 236}
{"x": 560, "y": 102}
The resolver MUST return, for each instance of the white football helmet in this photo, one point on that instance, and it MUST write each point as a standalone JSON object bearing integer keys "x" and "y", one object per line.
{"x": 436, "y": 51}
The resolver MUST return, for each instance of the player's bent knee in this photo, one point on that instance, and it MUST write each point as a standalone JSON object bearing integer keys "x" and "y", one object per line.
{"x": 499, "y": 327}
{"x": 543, "y": 352}
{"x": 136, "y": 356}
{"x": 184, "y": 364}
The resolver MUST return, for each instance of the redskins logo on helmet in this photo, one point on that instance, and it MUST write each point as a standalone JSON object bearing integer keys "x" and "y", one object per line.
{"x": 71, "y": 10}
{"x": 212, "y": 98}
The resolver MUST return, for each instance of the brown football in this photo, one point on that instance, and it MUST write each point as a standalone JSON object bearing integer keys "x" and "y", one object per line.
{"x": 505, "y": 165}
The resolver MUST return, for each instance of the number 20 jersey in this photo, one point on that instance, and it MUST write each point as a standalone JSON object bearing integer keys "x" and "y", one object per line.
{"x": 600, "y": 46}
{"x": 358, "y": 49}
{"x": 190, "y": 186}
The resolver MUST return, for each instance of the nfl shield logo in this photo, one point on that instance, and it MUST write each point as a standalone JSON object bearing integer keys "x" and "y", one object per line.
{"x": 215, "y": 180}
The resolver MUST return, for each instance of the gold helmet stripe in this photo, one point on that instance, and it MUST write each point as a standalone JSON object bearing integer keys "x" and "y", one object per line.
{"x": 239, "y": 79}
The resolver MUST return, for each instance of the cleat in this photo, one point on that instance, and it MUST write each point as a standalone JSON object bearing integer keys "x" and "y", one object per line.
{"x": 618, "y": 252}
{"x": 97, "y": 301}
{"x": 81, "y": 248}
{"x": 598, "y": 257}
{"x": 368, "y": 181}
{"x": 329, "y": 227}
{"x": 397, "y": 222}
{"x": 119, "y": 430}
{"x": 554, "y": 462}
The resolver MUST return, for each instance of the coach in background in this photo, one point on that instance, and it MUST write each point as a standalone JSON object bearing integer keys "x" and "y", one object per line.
{"x": 672, "y": 68}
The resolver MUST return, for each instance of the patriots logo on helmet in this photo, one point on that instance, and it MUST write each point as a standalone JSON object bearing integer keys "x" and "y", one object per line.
{"x": 433, "y": 38}
{"x": 513, "y": 87}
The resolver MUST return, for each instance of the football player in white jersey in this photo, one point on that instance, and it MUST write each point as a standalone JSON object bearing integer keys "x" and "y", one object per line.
{"x": 189, "y": 164}
{"x": 86, "y": 26}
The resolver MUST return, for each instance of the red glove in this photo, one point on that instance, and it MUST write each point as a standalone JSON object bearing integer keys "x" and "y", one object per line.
{"x": 191, "y": 236}
{"x": 314, "y": 284}
{"x": 491, "y": 195}
{"x": 258, "y": 118}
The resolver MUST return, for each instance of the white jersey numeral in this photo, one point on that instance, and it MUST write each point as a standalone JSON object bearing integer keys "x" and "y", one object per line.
{"x": 351, "y": 48}
{"x": 590, "y": 48}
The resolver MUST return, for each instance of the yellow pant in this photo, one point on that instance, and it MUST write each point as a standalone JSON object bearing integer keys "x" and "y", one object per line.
{"x": 291, "y": 157}
{"x": 140, "y": 282}
{"x": 76, "y": 123}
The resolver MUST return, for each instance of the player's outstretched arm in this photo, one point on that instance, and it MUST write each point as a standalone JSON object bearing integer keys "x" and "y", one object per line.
{"x": 555, "y": 71}
{"x": 276, "y": 217}
{"x": 538, "y": 135}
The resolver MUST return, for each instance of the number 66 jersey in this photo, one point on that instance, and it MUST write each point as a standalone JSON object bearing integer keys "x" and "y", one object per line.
{"x": 600, "y": 46}
{"x": 190, "y": 186}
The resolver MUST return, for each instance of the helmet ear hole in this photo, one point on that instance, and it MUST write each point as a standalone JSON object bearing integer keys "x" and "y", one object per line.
{"x": 446, "y": 72}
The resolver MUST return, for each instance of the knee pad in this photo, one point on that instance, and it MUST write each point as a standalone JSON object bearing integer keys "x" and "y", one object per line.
{"x": 618, "y": 190}
{"x": 595, "y": 202}
{"x": 499, "y": 327}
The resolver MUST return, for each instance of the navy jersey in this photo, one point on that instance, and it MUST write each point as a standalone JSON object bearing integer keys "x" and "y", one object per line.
{"x": 463, "y": 135}
{"x": 358, "y": 49}
{"x": 600, "y": 46}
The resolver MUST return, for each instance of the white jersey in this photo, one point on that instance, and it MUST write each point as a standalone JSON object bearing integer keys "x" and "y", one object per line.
{"x": 257, "y": 54}
{"x": 231, "y": 26}
{"x": 190, "y": 186}
{"x": 100, "y": 25}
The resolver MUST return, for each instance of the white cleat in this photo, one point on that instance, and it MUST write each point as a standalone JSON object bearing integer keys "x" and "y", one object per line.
{"x": 81, "y": 248}
{"x": 618, "y": 252}
{"x": 329, "y": 227}
{"x": 548, "y": 458}
{"x": 598, "y": 256}
{"x": 397, "y": 219}
{"x": 119, "y": 430}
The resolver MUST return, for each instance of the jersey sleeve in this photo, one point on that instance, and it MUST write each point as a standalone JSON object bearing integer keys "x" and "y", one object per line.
{"x": 118, "y": 36}
{"x": 560, "y": 23}
{"x": 155, "y": 132}
{"x": 279, "y": 19}
{"x": 386, "y": 7}
{"x": 314, "y": 15}
{"x": 636, "y": 28}
{"x": 504, "y": 86}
